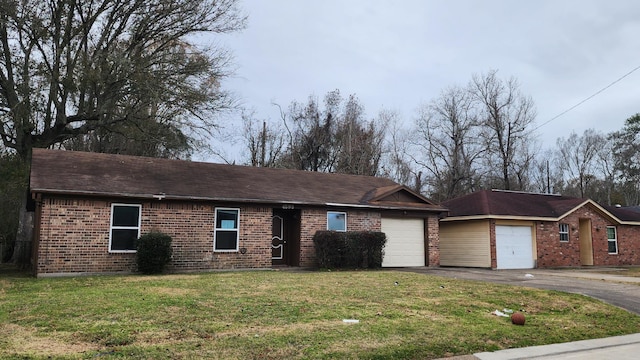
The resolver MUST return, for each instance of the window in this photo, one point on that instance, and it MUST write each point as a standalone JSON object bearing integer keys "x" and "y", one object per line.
{"x": 125, "y": 227}
{"x": 564, "y": 232}
{"x": 612, "y": 239}
{"x": 336, "y": 221}
{"x": 226, "y": 234}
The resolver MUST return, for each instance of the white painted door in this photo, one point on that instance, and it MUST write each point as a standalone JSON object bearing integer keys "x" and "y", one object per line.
{"x": 514, "y": 247}
{"x": 405, "y": 242}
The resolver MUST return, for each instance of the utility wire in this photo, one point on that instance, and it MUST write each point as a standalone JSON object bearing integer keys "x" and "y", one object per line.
{"x": 587, "y": 99}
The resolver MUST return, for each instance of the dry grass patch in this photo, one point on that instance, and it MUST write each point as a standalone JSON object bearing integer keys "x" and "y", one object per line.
{"x": 173, "y": 291}
{"x": 20, "y": 340}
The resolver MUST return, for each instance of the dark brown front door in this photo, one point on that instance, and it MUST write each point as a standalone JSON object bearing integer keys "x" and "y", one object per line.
{"x": 285, "y": 237}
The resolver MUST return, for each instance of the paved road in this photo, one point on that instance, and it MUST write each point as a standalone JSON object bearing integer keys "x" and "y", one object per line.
{"x": 617, "y": 290}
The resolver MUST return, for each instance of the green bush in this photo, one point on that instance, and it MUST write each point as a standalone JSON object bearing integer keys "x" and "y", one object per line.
{"x": 153, "y": 253}
{"x": 353, "y": 249}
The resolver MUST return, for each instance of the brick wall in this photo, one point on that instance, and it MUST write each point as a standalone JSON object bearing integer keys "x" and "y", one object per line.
{"x": 628, "y": 247}
{"x": 74, "y": 236}
{"x": 313, "y": 220}
{"x": 492, "y": 244}
{"x": 551, "y": 251}
{"x": 554, "y": 253}
{"x": 432, "y": 236}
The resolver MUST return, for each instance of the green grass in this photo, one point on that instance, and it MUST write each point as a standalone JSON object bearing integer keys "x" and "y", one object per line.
{"x": 279, "y": 314}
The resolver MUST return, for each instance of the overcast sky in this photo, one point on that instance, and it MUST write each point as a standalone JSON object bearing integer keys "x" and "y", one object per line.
{"x": 400, "y": 54}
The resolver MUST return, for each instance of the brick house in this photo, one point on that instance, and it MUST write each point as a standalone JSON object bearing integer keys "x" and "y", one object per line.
{"x": 90, "y": 208}
{"x": 514, "y": 230}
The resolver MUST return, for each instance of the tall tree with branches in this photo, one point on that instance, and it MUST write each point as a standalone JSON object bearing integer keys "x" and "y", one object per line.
{"x": 506, "y": 116}
{"x": 332, "y": 137}
{"x": 627, "y": 158}
{"x": 447, "y": 136}
{"x": 71, "y": 67}
{"x": 578, "y": 155}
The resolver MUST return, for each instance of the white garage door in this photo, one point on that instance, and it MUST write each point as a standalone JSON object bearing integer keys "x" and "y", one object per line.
{"x": 514, "y": 247}
{"x": 405, "y": 242}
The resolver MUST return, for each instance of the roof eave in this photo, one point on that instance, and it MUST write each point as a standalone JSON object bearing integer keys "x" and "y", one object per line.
{"x": 162, "y": 196}
{"x": 498, "y": 217}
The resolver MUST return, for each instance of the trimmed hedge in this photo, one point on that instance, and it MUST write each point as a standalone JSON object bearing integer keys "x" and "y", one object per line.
{"x": 154, "y": 252}
{"x": 352, "y": 249}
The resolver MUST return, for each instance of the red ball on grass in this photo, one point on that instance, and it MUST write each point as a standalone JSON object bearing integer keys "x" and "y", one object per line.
{"x": 517, "y": 318}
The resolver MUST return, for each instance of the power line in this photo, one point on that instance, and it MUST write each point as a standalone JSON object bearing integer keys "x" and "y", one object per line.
{"x": 588, "y": 98}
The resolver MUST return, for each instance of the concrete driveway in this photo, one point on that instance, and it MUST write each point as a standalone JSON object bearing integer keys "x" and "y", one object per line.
{"x": 620, "y": 291}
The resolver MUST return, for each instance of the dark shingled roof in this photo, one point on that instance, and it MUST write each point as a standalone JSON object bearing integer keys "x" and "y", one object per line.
{"x": 624, "y": 213}
{"x": 500, "y": 203}
{"x": 82, "y": 173}
{"x": 510, "y": 203}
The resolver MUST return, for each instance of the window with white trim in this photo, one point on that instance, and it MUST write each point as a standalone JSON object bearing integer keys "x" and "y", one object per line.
{"x": 612, "y": 239}
{"x": 125, "y": 227}
{"x": 227, "y": 230}
{"x": 564, "y": 232}
{"x": 336, "y": 221}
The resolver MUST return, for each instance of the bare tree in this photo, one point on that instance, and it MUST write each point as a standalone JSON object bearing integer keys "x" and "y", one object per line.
{"x": 577, "y": 155}
{"x": 545, "y": 176}
{"x": 310, "y": 134}
{"x": 265, "y": 142}
{"x": 397, "y": 161}
{"x": 506, "y": 115}
{"x": 333, "y": 138}
{"x": 606, "y": 170}
{"x": 447, "y": 136}
{"x": 358, "y": 142}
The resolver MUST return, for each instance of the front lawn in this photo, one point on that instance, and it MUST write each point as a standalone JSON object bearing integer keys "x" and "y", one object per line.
{"x": 280, "y": 314}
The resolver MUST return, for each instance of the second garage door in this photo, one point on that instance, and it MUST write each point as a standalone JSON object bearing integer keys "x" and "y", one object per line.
{"x": 514, "y": 247}
{"x": 405, "y": 242}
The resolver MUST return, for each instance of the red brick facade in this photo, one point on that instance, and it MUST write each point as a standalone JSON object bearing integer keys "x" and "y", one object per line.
{"x": 313, "y": 220}
{"x": 432, "y": 239}
{"x": 73, "y": 235}
{"x": 555, "y": 253}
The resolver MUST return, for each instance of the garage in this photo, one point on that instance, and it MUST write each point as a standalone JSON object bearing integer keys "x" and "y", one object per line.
{"x": 514, "y": 247}
{"x": 405, "y": 242}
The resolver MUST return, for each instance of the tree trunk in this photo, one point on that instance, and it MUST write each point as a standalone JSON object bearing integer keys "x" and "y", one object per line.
{"x": 22, "y": 248}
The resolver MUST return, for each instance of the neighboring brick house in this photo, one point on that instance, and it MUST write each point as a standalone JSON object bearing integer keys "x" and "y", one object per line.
{"x": 510, "y": 230}
{"x": 90, "y": 209}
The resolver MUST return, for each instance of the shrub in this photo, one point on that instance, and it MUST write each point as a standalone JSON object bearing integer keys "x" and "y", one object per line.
{"x": 329, "y": 248}
{"x": 153, "y": 253}
{"x": 353, "y": 249}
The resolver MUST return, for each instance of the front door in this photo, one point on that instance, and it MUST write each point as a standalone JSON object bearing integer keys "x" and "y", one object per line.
{"x": 285, "y": 237}
{"x": 586, "y": 242}
{"x": 278, "y": 241}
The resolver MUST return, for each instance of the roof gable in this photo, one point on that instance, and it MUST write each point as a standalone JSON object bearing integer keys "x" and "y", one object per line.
{"x": 82, "y": 173}
{"x": 396, "y": 195}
